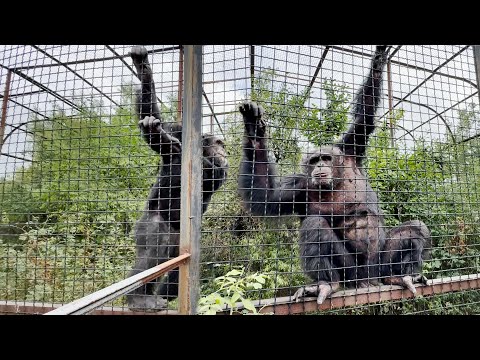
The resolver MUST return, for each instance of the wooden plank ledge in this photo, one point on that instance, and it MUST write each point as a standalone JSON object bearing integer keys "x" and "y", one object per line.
{"x": 284, "y": 305}
{"x": 100, "y": 297}
{"x": 372, "y": 294}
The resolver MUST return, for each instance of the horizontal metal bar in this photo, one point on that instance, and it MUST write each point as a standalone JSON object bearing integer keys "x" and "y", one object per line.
{"x": 98, "y": 298}
{"x": 37, "y": 308}
{"x": 284, "y": 305}
{"x": 401, "y": 63}
{"x": 394, "y": 52}
{"x": 438, "y": 114}
{"x": 419, "y": 85}
{"x": 49, "y": 91}
{"x": 25, "y": 93}
{"x": 468, "y": 139}
{"x": 19, "y": 127}
{"x": 221, "y": 113}
{"x": 172, "y": 48}
{"x": 27, "y": 108}
{"x": 373, "y": 294}
{"x": 74, "y": 73}
{"x": 16, "y": 157}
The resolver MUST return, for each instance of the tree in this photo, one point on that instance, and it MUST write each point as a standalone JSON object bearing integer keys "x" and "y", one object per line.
{"x": 75, "y": 206}
{"x": 323, "y": 125}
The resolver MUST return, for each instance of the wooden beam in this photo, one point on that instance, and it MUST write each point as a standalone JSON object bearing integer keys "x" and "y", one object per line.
{"x": 284, "y": 305}
{"x": 98, "y": 298}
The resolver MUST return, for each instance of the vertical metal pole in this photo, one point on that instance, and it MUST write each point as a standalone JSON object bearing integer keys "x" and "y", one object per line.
{"x": 3, "y": 120}
{"x": 476, "y": 56}
{"x": 191, "y": 201}
{"x": 390, "y": 100}
{"x": 252, "y": 66}
{"x": 180, "y": 86}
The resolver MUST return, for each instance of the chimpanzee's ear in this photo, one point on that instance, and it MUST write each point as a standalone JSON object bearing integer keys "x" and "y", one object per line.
{"x": 340, "y": 159}
{"x": 338, "y": 156}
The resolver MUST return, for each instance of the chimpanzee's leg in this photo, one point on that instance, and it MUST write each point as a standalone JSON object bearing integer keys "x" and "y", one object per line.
{"x": 406, "y": 247}
{"x": 324, "y": 259}
{"x": 168, "y": 288}
{"x": 152, "y": 236}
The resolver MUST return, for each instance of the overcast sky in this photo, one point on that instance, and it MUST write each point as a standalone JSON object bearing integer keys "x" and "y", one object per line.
{"x": 226, "y": 80}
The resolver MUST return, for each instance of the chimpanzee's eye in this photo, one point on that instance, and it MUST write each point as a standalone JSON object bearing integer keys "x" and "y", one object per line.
{"x": 313, "y": 160}
{"x": 326, "y": 158}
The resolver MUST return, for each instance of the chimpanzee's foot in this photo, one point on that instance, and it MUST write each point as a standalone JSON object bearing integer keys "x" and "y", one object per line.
{"x": 252, "y": 117}
{"x": 374, "y": 282}
{"x": 146, "y": 303}
{"x": 322, "y": 290}
{"x": 407, "y": 281}
{"x": 420, "y": 279}
{"x": 366, "y": 284}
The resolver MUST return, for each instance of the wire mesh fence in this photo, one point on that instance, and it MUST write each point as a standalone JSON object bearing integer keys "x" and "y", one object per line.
{"x": 290, "y": 219}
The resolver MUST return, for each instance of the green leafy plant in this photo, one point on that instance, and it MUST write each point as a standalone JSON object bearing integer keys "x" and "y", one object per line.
{"x": 233, "y": 288}
{"x": 66, "y": 220}
{"x": 322, "y": 125}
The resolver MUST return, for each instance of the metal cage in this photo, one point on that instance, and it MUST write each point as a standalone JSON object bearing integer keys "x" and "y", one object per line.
{"x": 75, "y": 172}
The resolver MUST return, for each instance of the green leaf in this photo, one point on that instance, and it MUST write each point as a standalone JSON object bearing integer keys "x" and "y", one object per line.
{"x": 247, "y": 304}
{"x": 235, "y": 298}
{"x": 260, "y": 279}
{"x": 234, "y": 272}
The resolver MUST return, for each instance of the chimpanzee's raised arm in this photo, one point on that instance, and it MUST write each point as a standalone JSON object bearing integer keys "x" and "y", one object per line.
{"x": 258, "y": 186}
{"x": 365, "y": 105}
{"x": 146, "y": 102}
{"x": 157, "y": 232}
{"x": 159, "y": 140}
{"x": 146, "y": 98}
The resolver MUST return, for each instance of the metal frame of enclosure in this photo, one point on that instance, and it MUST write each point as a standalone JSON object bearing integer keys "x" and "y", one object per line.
{"x": 68, "y": 206}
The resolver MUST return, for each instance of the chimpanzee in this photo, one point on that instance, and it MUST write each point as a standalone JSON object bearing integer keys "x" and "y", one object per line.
{"x": 342, "y": 234}
{"x": 157, "y": 233}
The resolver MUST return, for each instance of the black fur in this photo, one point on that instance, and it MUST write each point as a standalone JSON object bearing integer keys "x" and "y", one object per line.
{"x": 342, "y": 236}
{"x": 157, "y": 233}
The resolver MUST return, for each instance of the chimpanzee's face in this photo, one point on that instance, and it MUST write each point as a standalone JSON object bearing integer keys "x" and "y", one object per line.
{"x": 325, "y": 167}
{"x": 214, "y": 149}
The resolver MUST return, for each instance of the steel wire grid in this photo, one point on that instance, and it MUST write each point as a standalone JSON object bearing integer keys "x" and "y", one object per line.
{"x": 75, "y": 174}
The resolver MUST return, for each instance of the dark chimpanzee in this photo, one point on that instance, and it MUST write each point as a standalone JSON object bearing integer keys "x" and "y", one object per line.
{"x": 342, "y": 235}
{"x": 157, "y": 233}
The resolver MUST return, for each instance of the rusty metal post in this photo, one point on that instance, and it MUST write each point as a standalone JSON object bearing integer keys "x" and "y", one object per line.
{"x": 390, "y": 100}
{"x": 191, "y": 201}
{"x": 476, "y": 56}
{"x": 3, "y": 120}
{"x": 180, "y": 85}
